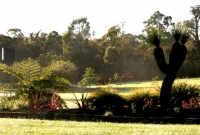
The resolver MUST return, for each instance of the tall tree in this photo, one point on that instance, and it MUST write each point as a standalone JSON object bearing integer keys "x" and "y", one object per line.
{"x": 53, "y": 43}
{"x": 76, "y": 43}
{"x": 110, "y": 46}
{"x": 176, "y": 59}
{"x": 193, "y": 24}
{"x": 159, "y": 20}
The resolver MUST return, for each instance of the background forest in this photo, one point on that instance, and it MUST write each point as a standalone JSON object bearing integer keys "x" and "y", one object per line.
{"x": 115, "y": 52}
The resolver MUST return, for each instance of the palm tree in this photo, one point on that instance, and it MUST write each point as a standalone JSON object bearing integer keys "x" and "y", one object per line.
{"x": 176, "y": 59}
{"x": 33, "y": 79}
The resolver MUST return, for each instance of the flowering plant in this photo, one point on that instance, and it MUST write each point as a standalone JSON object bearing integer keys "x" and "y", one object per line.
{"x": 147, "y": 103}
{"x": 194, "y": 103}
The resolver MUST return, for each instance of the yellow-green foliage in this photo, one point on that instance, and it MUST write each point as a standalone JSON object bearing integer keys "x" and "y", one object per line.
{"x": 13, "y": 103}
{"x": 107, "y": 98}
{"x": 150, "y": 91}
{"x": 183, "y": 91}
{"x": 106, "y": 90}
{"x": 137, "y": 97}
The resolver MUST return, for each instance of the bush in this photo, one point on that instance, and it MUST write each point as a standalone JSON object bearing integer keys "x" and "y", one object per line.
{"x": 13, "y": 103}
{"x": 183, "y": 91}
{"x": 107, "y": 99}
{"x": 142, "y": 98}
{"x": 45, "y": 100}
{"x": 42, "y": 99}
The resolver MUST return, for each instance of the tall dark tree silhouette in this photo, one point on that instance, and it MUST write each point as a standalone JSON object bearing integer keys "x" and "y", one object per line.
{"x": 176, "y": 59}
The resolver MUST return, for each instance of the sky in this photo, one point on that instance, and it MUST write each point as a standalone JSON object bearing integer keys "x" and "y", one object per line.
{"x": 56, "y": 15}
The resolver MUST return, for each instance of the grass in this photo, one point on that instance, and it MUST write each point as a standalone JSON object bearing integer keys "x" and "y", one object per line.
{"x": 46, "y": 127}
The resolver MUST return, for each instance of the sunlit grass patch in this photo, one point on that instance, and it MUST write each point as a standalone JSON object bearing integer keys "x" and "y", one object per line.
{"x": 46, "y": 127}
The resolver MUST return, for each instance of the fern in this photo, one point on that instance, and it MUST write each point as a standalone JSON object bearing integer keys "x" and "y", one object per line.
{"x": 32, "y": 76}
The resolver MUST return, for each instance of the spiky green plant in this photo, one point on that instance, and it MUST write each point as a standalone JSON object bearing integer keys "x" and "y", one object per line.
{"x": 153, "y": 37}
{"x": 184, "y": 37}
{"x": 176, "y": 33}
{"x": 180, "y": 34}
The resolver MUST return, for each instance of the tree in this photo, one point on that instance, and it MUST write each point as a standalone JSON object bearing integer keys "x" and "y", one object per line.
{"x": 89, "y": 77}
{"x": 76, "y": 43}
{"x": 193, "y": 24}
{"x": 5, "y": 41}
{"x": 53, "y": 43}
{"x": 176, "y": 59}
{"x": 15, "y": 32}
{"x": 111, "y": 55}
{"x": 159, "y": 20}
{"x": 111, "y": 37}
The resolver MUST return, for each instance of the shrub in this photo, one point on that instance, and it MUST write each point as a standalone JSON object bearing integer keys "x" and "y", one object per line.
{"x": 13, "y": 103}
{"x": 107, "y": 99}
{"x": 45, "y": 100}
{"x": 183, "y": 91}
{"x": 142, "y": 99}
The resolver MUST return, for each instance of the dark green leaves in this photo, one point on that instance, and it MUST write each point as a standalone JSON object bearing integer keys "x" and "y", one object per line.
{"x": 184, "y": 37}
{"x": 153, "y": 37}
{"x": 176, "y": 33}
{"x": 180, "y": 34}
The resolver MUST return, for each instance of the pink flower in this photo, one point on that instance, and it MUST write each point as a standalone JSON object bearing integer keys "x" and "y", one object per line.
{"x": 125, "y": 106}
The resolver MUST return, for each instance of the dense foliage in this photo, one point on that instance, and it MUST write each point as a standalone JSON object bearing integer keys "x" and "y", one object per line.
{"x": 115, "y": 52}
{"x": 37, "y": 85}
{"x": 107, "y": 99}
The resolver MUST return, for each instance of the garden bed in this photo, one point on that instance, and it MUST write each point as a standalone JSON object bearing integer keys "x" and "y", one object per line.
{"x": 148, "y": 116}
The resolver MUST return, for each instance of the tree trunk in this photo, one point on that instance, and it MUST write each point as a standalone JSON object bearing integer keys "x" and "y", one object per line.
{"x": 177, "y": 57}
{"x": 160, "y": 59}
{"x": 166, "y": 89}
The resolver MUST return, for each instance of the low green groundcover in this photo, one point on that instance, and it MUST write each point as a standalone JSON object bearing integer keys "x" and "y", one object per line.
{"x": 45, "y": 127}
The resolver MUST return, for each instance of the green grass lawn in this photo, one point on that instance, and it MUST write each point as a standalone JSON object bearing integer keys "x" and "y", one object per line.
{"x": 150, "y": 84}
{"x": 46, "y": 127}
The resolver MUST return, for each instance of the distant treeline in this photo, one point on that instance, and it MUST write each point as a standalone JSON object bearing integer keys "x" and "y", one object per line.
{"x": 115, "y": 52}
